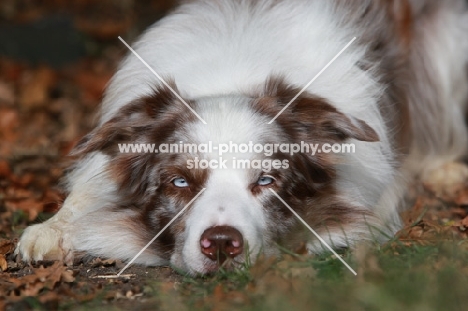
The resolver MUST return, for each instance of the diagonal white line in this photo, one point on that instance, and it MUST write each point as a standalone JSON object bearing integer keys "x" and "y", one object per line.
{"x": 312, "y": 81}
{"x": 313, "y": 231}
{"x": 159, "y": 233}
{"x": 162, "y": 80}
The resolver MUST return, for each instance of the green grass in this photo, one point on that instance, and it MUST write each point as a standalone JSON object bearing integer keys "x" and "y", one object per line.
{"x": 392, "y": 277}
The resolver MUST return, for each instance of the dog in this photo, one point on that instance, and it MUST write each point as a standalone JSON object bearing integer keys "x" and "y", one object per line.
{"x": 239, "y": 72}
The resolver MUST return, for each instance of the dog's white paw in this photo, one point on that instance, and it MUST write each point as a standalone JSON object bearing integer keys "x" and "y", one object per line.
{"x": 45, "y": 242}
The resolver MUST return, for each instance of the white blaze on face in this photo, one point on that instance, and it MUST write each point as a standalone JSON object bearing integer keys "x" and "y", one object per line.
{"x": 227, "y": 200}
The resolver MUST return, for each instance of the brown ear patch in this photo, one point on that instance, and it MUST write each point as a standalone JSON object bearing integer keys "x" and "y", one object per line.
{"x": 311, "y": 113}
{"x": 155, "y": 116}
{"x": 164, "y": 101}
{"x": 319, "y": 116}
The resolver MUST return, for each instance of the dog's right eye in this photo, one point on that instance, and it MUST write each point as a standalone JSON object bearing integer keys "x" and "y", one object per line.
{"x": 180, "y": 182}
{"x": 265, "y": 181}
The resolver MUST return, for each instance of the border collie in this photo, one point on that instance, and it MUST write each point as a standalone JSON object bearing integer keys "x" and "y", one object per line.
{"x": 398, "y": 93}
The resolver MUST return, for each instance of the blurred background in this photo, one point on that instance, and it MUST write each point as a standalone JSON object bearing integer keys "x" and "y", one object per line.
{"x": 56, "y": 57}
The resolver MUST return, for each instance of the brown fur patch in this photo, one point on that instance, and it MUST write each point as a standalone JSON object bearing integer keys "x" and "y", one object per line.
{"x": 310, "y": 115}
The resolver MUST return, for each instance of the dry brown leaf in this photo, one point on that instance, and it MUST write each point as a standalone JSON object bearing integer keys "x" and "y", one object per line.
{"x": 6, "y": 246}
{"x": 3, "y": 263}
{"x": 412, "y": 215}
{"x": 54, "y": 274}
{"x": 67, "y": 276}
{"x": 42, "y": 277}
{"x": 32, "y": 288}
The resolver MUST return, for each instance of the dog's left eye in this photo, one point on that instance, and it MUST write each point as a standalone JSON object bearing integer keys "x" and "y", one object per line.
{"x": 180, "y": 183}
{"x": 265, "y": 181}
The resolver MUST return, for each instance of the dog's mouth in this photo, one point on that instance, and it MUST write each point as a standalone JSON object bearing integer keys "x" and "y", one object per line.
{"x": 229, "y": 264}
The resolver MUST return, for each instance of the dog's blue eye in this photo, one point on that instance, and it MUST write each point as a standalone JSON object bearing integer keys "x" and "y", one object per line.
{"x": 265, "y": 180}
{"x": 180, "y": 182}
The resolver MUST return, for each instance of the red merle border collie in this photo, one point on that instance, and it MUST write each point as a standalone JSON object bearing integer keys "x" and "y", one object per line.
{"x": 398, "y": 93}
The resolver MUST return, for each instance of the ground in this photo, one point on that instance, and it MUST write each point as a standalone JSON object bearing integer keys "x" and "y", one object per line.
{"x": 48, "y": 102}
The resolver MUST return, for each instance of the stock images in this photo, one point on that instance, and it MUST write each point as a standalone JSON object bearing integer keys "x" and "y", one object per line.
{"x": 233, "y": 154}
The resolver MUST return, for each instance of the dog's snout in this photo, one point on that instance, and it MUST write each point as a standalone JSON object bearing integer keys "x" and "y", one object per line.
{"x": 220, "y": 242}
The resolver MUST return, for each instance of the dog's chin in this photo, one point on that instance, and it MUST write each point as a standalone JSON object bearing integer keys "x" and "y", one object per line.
{"x": 208, "y": 267}
{"x": 200, "y": 265}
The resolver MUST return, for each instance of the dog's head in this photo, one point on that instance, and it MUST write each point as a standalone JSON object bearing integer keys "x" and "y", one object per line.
{"x": 236, "y": 215}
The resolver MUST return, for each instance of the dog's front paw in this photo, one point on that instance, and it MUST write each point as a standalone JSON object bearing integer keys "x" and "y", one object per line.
{"x": 44, "y": 242}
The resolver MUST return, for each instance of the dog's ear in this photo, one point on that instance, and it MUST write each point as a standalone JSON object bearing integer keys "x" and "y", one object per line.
{"x": 314, "y": 114}
{"x": 318, "y": 116}
{"x": 104, "y": 138}
{"x": 159, "y": 110}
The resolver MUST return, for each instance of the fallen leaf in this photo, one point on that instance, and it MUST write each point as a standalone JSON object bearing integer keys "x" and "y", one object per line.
{"x": 67, "y": 276}
{"x": 53, "y": 275}
{"x": 6, "y": 246}
{"x": 3, "y": 263}
{"x": 32, "y": 288}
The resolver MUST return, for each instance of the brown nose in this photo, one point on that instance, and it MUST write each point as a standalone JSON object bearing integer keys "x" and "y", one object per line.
{"x": 218, "y": 243}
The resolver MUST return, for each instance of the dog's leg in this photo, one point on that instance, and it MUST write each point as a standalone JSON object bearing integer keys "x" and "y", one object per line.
{"x": 90, "y": 190}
